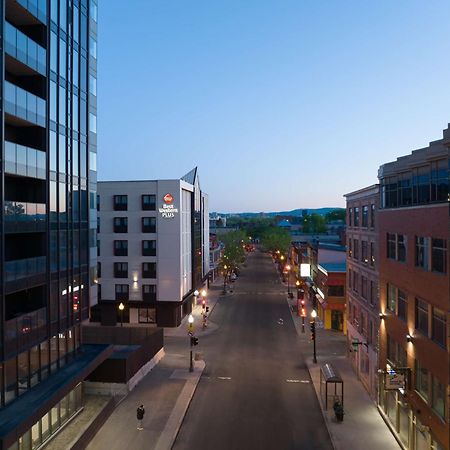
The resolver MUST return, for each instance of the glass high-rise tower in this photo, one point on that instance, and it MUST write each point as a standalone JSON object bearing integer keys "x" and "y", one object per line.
{"x": 48, "y": 213}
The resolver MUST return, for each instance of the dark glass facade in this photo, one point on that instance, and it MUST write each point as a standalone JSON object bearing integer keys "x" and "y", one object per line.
{"x": 48, "y": 188}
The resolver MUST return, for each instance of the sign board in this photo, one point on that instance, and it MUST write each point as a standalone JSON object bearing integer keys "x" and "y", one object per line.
{"x": 168, "y": 210}
{"x": 305, "y": 270}
{"x": 394, "y": 380}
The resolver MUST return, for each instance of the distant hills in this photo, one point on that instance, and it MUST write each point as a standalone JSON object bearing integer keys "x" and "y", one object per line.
{"x": 294, "y": 212}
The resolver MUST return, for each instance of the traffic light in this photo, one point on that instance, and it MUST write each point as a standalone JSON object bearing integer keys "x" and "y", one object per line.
{"x": 303, "y": 313}
{"x": 207, "y": 309}
{"x": 194, "y": 341}
{"x": 312, "y": 327}
{"x": 203, "y": 303}
{"x": 300, "y": 294}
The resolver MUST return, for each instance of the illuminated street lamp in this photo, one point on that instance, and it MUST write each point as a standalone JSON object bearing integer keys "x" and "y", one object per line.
{"x": 313, "y": 333}
{"x": 121, "y": 308}
{"x": 192, "y": 340}
{"x": 288, "y": 269}
{"x": 196, "y": 294}
{"x": 225, "y": 267}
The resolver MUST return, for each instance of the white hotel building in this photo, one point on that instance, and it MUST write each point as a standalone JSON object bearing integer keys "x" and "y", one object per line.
{"x": 153, "y": 249}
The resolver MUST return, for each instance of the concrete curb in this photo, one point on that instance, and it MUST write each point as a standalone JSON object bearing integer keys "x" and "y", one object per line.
{"x": 173, "y": 424}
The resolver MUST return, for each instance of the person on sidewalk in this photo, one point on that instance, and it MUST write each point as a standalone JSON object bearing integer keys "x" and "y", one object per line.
{"x": 140, "y": 416}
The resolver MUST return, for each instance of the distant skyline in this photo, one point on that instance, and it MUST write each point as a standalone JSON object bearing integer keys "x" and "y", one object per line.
{"x": 281, "y": 105}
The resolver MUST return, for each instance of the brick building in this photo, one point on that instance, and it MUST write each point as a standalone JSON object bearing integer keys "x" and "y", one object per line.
{"x": 362, "y": 285}
{"x": 414, "y": 296}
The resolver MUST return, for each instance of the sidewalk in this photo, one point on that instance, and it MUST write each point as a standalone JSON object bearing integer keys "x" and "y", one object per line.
{"x": 165, "y": 392}
{"x": 363, "y": 427}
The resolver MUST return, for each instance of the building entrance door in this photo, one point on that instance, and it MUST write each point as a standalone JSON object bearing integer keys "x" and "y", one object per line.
{"x": 336, "y": 320}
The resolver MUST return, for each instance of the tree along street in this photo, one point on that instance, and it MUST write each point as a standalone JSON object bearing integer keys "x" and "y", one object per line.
{"x": 255, "y": 392}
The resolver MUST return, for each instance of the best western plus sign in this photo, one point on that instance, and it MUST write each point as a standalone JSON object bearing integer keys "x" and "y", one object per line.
{"x": 168, "y": 210}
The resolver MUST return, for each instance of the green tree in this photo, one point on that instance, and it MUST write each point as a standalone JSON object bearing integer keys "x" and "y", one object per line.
{"x": 275, "y": 238}
{"x": 336, "y": 214}
{"x": 314, "y": 223}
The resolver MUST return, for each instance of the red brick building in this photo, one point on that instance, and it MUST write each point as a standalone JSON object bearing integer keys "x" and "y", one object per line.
{"x": 414, "y": 296}
{"x": 362, "y": 297}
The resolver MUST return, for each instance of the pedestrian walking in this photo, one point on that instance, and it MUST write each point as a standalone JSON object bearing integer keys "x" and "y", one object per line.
{"x": 140, "y": 416}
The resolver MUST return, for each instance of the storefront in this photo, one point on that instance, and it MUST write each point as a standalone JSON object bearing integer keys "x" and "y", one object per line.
{"x": 399, "y": 413}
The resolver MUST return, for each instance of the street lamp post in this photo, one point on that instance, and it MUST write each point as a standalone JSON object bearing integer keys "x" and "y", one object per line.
{"x": 191, "y": 335}
{"x": 288, "y": 269}
{"x": 313, "y": 334}
{"x": 225, "y": 267}
{"x": 196, "y": 294}
{"x": 121, "y": 308}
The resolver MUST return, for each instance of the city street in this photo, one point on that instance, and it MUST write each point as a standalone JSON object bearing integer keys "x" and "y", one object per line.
{"x": 256, "y": 392}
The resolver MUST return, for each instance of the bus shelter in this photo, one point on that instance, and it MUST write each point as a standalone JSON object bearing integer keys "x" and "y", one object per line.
{"x": 331, "y": 385}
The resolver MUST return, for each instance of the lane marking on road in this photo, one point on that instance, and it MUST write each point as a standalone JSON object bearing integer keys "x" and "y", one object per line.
{"x": 298, "y": 381}
{"x": 224, "y": 378}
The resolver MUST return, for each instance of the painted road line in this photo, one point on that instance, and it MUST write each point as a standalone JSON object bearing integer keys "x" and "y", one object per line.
{"x": 224, "y": 378}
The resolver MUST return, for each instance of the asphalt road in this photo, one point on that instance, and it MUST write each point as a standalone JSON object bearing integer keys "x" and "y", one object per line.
{"x": 255, "y": 392}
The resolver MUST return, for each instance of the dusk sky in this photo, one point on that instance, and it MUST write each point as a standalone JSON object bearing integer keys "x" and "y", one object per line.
{"x": 281, "y": 104}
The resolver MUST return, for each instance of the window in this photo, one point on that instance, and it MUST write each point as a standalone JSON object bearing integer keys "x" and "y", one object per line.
{"x": 148, "y": 270}
{"x": 422, "y": 250}
{"x": 364, "y": 287}
{"x": 439, "y": 181}
{"x": 396, "y": 353}
{"x": 364, "y": 252}
{"x": 372, "y": 216}
{"x": 350, "y": 210}
{"x": 120, "y": 202}
{"x": 372, "y": 254}
{"x": 149, "y": 292}
{"x": 148, "y": 248}
{"x": 147, "y": 315}
{"x": 438, "y": 327}
{"x": 356, "y": 249}
{"x": 391, "y": 246}
{"x": 391, "y": 298}
{"x": 402, "y": 305}
{"x": 422, "y": 316}
{"x": 355, "y": 281}
{"x": 422, "y": 382}
{"x": 356, "y": 218}
{"x": 149, "y": 202}
{"x": 336, "y": 291}
{"x": 438, "y": 397}
{"x": 120, "y": 248}
{"x": 149, "y": 224}
{"x": 439, "y": 255}
{"x": 350, "y": 278}
{"x": 350, "y": 249}
{"x": 120, "y": 270}
{"x": 365, "y": 216}
{"x": 396, "y": 246}
{"x": 121, "y": 291}
{"x": 401, "y": 247}
{"x": 120, "y": 224}
{"x": 99, "y": 269}
{"x": 373, "y": 293}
